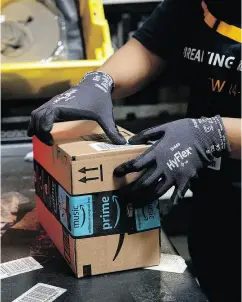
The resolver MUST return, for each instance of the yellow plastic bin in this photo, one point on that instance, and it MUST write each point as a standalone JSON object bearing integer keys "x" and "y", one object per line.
{"x": 42, "y": 80}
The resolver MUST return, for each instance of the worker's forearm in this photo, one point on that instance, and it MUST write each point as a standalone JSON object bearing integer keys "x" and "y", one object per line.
{"x": 233, "y": 131}
{"x": 132, "y": 67}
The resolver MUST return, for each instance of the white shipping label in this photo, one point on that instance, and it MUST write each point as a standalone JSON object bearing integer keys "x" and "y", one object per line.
{"x": 170, "y": 263}
{"x": 19, "y": 266}
{"x": 107, "y": 146}
{"x": 41, "y": 293}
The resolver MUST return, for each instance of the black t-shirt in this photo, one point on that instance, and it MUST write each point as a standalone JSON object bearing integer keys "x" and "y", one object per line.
{"x": 208, "y": 61}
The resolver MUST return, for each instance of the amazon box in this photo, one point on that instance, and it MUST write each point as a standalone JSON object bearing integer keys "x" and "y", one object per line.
{"x": 78, "y": 202}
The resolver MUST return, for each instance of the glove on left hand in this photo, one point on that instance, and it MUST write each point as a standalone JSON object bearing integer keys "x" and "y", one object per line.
{"x": 183, "y": 148}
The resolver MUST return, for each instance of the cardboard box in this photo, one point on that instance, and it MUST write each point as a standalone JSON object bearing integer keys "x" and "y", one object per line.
{"x": 82, "y": 152}
{"x": 78, "y": 202}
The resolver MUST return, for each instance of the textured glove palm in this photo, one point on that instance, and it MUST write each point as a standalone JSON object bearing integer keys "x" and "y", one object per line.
{"x": 89, "y": 100}
{"x": 182, "y": 148}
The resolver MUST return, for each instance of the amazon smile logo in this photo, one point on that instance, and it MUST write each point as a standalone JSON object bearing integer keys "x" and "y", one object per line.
{"x": 109, "y": 207}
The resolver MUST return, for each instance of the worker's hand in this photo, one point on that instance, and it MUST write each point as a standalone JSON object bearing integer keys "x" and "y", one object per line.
{"x": 182, "y": 148}
{"x": 88, "y": 100}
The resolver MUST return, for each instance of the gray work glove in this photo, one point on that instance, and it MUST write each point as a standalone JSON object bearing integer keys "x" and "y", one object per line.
{"x": 182, "y": 148}
{"x": 88, "y": 100}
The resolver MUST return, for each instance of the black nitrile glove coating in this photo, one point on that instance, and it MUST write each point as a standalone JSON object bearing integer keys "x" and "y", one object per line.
{"x": 88, "y": 100}
{"x": 181, "y": 150}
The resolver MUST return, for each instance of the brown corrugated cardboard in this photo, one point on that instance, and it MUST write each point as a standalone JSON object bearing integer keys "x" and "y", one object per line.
{"x": 79, "y": 206}
{"x": 94, "y": 256}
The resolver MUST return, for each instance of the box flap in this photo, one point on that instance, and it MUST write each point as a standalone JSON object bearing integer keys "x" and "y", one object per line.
{"x": 86, "y": 138}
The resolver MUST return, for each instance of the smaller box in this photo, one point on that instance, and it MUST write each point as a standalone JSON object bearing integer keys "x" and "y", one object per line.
{"x": 79, "y": 204}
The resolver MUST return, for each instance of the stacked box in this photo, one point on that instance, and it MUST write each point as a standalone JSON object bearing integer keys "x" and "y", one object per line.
{"x": 79, "y": 204}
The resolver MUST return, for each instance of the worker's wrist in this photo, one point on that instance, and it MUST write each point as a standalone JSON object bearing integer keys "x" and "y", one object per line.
{"x": 233, "y": 127}
{"x": 112, "y": 76}
{"x": 100, "y": 79}
{"x": 211, "y": 133}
